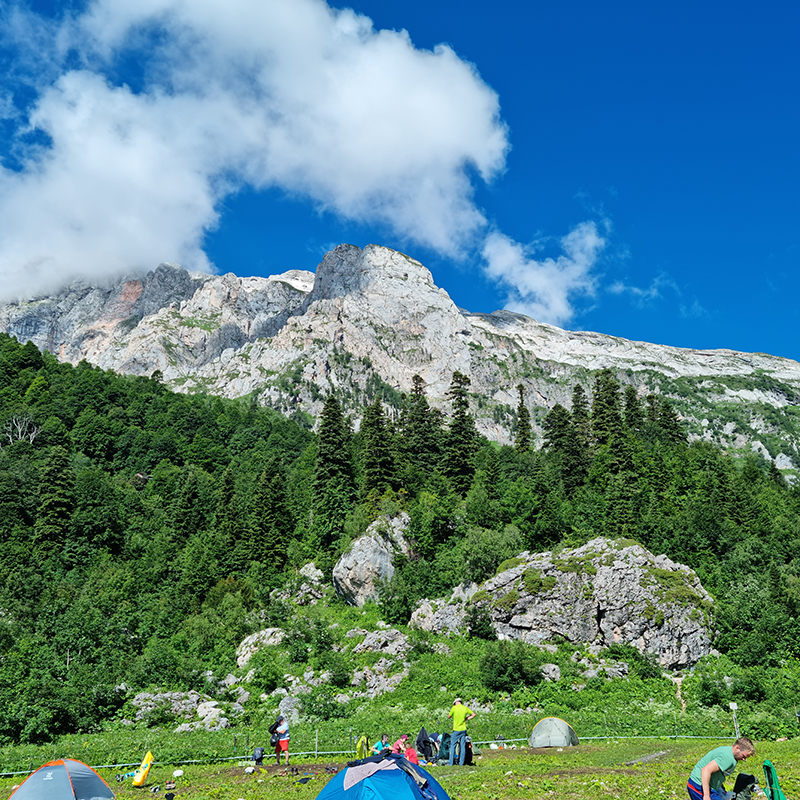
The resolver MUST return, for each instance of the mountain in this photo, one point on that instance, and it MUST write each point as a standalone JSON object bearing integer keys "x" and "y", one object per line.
{"x": 371, "y": 319}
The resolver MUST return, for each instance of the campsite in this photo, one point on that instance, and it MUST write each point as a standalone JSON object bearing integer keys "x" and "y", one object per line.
{"x": 590, "y": 771}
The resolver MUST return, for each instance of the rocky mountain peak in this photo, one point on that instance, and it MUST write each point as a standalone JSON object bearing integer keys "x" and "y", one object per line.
{"x": 371, "y": 319}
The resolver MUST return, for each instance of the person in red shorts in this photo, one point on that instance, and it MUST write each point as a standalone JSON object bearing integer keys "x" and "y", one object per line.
{"x": 283, "y": 740}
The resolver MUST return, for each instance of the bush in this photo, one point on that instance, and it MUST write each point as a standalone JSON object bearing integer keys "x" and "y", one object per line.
{"x": 507, "y": 666}
{"x": 479, "y": 623}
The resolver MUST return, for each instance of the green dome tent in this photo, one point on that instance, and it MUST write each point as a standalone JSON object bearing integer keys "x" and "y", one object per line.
{"x": 64, "y": 779}
{"x": 552, "y": 732}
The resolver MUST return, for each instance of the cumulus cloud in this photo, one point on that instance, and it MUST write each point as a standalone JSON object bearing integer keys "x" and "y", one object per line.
{"x": 111, "y": 178}
{"x": 543, "y": 288}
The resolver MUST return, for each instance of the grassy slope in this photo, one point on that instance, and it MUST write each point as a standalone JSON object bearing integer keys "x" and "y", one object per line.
{"x": 598, "y": 770}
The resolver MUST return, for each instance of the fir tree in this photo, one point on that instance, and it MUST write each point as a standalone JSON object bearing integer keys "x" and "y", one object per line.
{"x": 271, "y": 521}
{"x": 334, "y": 484}
{"x": 524, "y": 438}
{"x": 606, "y": 417}
{"x": 462, "y": 437}
{"x": 377, "y": 461}
{"x": 56, "y": 501}
{"x": 634, "y": 415}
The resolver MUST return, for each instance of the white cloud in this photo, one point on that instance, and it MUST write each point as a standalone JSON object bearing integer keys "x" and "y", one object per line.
{"x": 274, "y": 93}
{"x": 543, "y": 288}
{"x": 643, "y": 296}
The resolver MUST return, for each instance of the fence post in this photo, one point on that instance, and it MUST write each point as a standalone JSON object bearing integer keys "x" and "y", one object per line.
{"x": 675, "y": 717}
{"x": 316, "y": 746}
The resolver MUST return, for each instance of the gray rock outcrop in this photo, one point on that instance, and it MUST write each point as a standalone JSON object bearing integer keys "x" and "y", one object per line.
{"x": 369, "y": 560}
{"x": 307, "y": 590}
{"x": 249, "y": 646}
{"x": 186, "y": 705}
{"x": 446, "y": 615}
{"x": 603, "y": 593}
{"x": 376, "y": 315}
{"x": 290, "y": 707}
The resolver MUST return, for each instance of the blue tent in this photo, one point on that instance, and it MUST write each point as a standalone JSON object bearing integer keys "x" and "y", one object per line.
{"x": 64, "y": 779}
{"x": 391, "y": 778}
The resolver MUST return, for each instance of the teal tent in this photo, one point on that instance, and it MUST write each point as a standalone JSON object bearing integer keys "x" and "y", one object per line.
{"x": 64, "y": 779}
{"x": 390, "y": 778}
{"x": 552, "y": 732}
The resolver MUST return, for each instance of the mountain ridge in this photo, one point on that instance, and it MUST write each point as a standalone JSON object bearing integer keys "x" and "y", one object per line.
{"x": 366, "y": 322}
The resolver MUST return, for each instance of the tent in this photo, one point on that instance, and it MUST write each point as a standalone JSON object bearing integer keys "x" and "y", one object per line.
{"x": 552, "y": 732}
{"x": 377, "y": 778}
{"x": 64, "y": 779}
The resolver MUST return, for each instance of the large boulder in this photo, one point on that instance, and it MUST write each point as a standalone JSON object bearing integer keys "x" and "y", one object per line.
{"x": 603, "y": 593}
{"x": 370, "y": 560}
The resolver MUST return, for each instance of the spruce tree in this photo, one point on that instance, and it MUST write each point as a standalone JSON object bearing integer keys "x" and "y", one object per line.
{"x": 56, "y": 501}
{"x": 377, "y": 461}
{"x": 524, "y": 437}
{"x": 462, "y": 437}
{"x": 271, "y": 523}
{"x": 419, "y": 439}
{"x": 669, "y": 424}
{"x": 334, "y": 483}
{"x": 634, "y": 415}
{"x": 606, "y": 417}
{"x": 581, "y": 420}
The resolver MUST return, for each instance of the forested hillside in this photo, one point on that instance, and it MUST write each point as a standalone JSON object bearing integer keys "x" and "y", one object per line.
{"x": 143, "y": 531}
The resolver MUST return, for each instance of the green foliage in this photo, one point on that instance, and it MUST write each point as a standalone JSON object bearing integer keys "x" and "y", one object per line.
{"x": 507, "y": 666}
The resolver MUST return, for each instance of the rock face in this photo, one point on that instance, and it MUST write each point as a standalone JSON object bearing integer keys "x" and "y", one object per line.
{"x": 375, "y": 315}
{"x": 603, "y": 593}
{"x": 446, "y": 615}
{"x": 369, "y": 560}
{"x": 251, "y": 645}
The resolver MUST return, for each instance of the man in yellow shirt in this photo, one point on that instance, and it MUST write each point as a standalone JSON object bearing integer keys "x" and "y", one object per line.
{"x": 459, "y": 714}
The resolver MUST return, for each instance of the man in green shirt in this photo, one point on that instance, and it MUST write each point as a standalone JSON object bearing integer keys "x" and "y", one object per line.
{"x": 709, "y": 773}
{"x": 459, "y": 714}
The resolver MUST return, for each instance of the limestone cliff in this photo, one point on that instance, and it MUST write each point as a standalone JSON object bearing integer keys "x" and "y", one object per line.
{"x": 366, "y": 323}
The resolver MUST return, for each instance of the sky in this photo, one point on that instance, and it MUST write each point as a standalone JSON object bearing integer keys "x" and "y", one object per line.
{"x": 624, "y": 167}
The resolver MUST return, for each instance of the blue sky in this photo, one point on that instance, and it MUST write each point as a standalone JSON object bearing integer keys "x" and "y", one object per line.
{"x": 625, "y": 167}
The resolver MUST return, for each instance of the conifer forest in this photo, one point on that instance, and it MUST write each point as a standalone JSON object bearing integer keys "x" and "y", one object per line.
{"x": 144, "y": 531}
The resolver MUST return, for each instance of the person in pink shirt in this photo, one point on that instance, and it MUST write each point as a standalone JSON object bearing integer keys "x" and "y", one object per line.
{"x": 400, "y": 745}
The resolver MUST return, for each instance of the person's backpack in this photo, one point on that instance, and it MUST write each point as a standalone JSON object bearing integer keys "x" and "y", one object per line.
{"x": 745, "y": 787}
{"x": 274, "y": 739}
{"x": 258, "y": 755}
{"x": 468, "y": 762}
{"x": 274, "y": 727}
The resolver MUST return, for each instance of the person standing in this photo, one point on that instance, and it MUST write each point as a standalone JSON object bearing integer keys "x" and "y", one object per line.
{"x": 283, "y": 740}
{"x": 459, "y": 713}
{"x": 709, "y": 773}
